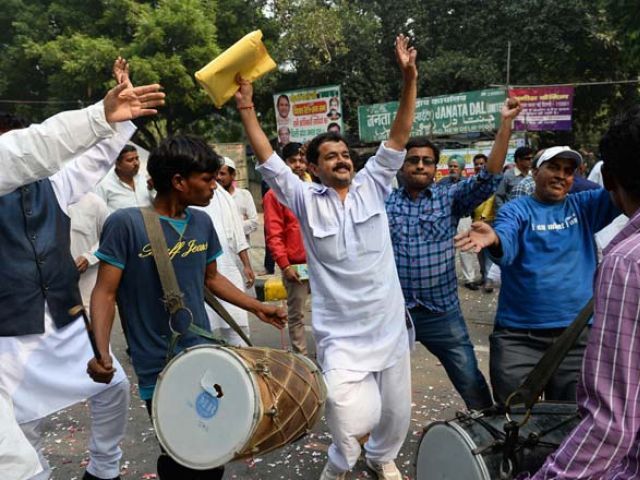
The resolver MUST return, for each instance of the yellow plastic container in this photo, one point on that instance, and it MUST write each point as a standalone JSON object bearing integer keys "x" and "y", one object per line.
{"x": 274, "y": 289}
{"x": 247, "y": 57}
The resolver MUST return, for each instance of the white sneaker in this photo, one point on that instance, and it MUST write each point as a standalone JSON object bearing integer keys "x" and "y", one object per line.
{"x": 385, "y": 471}
{"x": 329, "y": 474}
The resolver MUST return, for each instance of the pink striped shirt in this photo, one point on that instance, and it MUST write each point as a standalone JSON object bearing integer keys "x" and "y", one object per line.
{"x": 606, "y": 443}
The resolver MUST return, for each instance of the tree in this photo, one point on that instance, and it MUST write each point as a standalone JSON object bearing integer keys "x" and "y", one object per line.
{"x": 67, "y": 55}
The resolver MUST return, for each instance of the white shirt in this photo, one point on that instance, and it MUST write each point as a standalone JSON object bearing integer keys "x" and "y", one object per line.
{"x": 358, "y": 307}
{"x": 595, "y": 175}
{"x": 87, "y": 219}
{"x": 244, "y": 202}
{"x": 29, "y": 154}
{"x": 228, "y": 225}
{"x": 117, "y": 194}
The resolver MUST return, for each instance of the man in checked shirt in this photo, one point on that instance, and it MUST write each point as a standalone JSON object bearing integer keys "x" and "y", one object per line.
{"x": 423, "y": 218}
{"x": 606, "y": 443}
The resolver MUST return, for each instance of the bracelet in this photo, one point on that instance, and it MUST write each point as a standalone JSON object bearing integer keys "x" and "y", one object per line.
{"x": 248, "y": 107}
{"x": 288, "y": 266}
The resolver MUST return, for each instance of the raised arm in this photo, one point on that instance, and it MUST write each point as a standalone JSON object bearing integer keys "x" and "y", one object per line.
{"x": 509, "y": 112}
{"x": 401, "y": 127}
{"x": 29, "y": 154}
{"x": 257, "y": 138}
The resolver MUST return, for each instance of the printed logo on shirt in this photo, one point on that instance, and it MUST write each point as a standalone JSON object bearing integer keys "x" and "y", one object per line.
{"x": 549, "y": 227}
{"x": 181, "y": 248}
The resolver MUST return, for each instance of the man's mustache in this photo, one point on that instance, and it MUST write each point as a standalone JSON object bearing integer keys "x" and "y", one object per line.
{"x": 342, "y": 165}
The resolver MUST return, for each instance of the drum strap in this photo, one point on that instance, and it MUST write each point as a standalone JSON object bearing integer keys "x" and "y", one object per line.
{"x": 533, "y": 386}
{"x": 214, "y": 303}
{"x": 173, "y": 297}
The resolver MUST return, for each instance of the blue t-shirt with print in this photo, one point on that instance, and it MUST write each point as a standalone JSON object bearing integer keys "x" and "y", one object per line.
{"x": 549, "y": 258}
{"x": 193, "y": 244}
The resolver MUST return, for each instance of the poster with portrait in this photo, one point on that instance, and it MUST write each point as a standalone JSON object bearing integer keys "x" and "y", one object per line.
{"x": 303, "y": 114}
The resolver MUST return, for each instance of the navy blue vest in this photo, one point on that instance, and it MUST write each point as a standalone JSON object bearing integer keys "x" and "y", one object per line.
{"x": 35, "y": 261}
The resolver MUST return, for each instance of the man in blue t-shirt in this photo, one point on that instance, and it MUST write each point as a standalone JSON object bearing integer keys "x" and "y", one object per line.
{"x": 183, "y": 170}
{"x": 544, "y": 244}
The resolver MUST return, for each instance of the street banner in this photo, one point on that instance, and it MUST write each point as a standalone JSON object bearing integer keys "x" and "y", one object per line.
{"x": 303, "y": 114}
{"x": 467, "y": 112}
{"x": 544, "y": 108}
{"x": 467, "y": 154}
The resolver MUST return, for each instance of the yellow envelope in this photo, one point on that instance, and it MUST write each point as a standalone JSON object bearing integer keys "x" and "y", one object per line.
{"x": 248, "y": 57}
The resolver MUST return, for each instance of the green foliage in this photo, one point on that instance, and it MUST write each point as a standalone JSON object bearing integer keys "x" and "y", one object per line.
{"x": 63, "y": 49}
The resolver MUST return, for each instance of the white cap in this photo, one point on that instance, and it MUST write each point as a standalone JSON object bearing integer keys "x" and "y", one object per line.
{"x": 229, "y": 163}
{"x": 564, "y": 152}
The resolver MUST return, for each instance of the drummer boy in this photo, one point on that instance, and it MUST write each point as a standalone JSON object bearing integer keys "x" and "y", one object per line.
{"x": 183, "y": 170}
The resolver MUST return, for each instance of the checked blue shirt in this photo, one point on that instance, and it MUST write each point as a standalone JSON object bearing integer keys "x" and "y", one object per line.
{"x": 422, "y": 232}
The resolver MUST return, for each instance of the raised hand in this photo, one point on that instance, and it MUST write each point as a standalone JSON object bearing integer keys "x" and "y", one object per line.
{"x": 511, "y": 108}
{"x": 480, "y": 236}
{"x": 121, "y": 71}
{"x": 406, "y": 56}
{"x": 126, "y": 103}
{"x": 244, "y": 95}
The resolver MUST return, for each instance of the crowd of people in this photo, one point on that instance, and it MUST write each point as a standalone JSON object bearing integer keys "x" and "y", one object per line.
{"x": 378, "y": 262}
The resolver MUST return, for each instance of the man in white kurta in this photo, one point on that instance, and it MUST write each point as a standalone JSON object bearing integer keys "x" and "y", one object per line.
{"x": 87, "y": 218}
{"x": 44, "y": 372}
{"x": 228, "y": 225}
{"x": 358, "y": 307}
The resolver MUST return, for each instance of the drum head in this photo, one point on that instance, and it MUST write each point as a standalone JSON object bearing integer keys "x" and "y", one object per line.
{"x": 205, "y": 407}
{"x": 445, "y": 453}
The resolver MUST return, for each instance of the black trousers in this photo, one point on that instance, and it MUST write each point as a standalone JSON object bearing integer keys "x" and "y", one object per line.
{"x": 514, "y": 353}
{"x": 169, "y": 469}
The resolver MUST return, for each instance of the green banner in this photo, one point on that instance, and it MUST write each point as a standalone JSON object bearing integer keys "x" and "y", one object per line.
{"x": 466, "y": 112}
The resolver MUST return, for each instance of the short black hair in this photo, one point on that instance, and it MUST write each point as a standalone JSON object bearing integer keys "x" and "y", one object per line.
{"x": 333, "y": 124}
{"x": 126, "y": 149}
{"x": 479, "y": 155}
{"x": 422, "y": 142}
{"x": 291, "y": 149}
{"x": 522, "y": 152}
{"x": 313, "y": 150}
{"x": 9, "y": 121}
{"x": 620, "y": 151}
{"x": 183, "y": 155}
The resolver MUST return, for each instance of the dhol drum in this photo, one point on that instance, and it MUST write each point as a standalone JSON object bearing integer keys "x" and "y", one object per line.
{"x": 470, "y": 446}
{"x": 213, "y": 404}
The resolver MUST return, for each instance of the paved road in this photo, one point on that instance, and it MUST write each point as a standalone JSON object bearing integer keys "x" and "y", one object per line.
{"x": 433, "y": 398}
{"x": 66, "y": 436}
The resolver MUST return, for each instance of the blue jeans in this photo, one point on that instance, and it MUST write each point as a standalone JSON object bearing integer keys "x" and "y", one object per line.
{"x": 445, "y": 335}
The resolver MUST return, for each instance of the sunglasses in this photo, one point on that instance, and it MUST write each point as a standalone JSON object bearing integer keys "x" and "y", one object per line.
{"x": 415, "y": 160}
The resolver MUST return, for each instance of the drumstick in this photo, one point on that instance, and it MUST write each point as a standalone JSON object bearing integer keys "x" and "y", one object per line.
{"x": 79, "y": 309}
{"x": 283, "y": 342}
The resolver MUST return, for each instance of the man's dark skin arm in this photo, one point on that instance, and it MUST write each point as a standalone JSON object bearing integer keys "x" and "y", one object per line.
{"x": 103, "y": 301}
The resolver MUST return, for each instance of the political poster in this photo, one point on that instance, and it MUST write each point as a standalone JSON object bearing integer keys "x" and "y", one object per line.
{"x": 467, "y": 112}
{"x": 303, "y": 114}
{"x": 544, "y": 108}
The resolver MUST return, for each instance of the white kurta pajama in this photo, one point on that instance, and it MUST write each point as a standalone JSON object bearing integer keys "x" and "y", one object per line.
{"x": 87, "y": 218}
{"x": 44, "y": 373}
{"x": 358, "y": 307}
{"x": 228, "y": 225}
